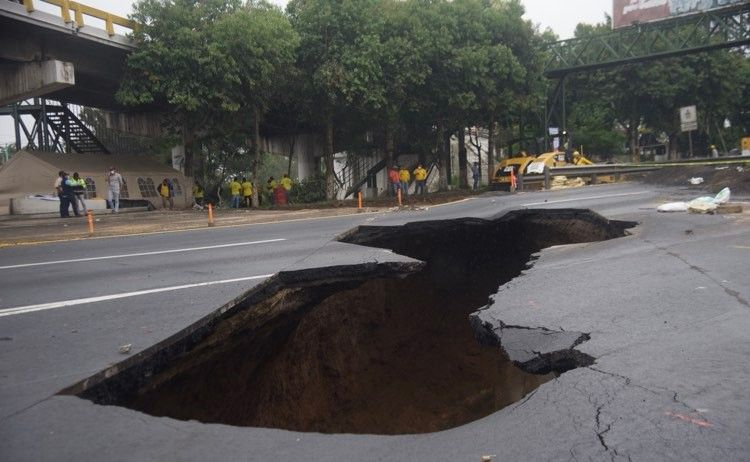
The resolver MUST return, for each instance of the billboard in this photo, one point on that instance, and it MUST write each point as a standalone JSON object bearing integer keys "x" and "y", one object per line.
{"x": 627, "y": 12}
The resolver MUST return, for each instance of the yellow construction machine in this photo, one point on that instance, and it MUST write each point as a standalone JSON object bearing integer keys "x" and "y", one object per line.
{"x": 530, "y": 165}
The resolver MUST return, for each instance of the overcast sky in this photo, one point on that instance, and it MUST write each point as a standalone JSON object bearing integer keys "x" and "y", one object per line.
{"x": 561, "y": 16}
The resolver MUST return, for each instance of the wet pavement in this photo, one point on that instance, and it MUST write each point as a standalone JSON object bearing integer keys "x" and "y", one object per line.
{"x": 16, "y": 230}
{"x": 664, "y": 313}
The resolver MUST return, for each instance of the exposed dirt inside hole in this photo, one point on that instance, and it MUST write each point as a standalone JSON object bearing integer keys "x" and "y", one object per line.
{"x": 387, "y": 357}
{"x": 367, "y": 354}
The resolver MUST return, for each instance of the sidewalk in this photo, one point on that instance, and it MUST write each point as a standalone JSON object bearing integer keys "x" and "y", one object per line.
{"x": 25, "y": 230}
{"x": 19, "y": 230}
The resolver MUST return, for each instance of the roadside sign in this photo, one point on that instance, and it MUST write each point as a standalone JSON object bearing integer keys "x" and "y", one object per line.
{"x": 746, "y": 146}
{"x": 688, "y": 118}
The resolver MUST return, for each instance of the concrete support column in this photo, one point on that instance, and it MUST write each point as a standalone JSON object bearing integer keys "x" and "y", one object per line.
{"x": 178, "y": 157}
{"x": 28, "y": 80}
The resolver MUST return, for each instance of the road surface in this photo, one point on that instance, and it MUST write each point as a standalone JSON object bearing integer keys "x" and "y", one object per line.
{"x": 666, "y": 308}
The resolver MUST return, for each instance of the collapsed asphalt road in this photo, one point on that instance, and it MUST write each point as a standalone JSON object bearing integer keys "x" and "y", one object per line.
{"x": 370, "y": 348}
{"x": 665, "y": 313}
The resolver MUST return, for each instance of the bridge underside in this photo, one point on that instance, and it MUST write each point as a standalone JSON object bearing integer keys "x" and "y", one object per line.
{"x": 98, "y": 62}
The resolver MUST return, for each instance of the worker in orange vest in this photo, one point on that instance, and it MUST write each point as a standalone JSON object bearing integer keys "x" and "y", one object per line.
{"x": 394, "y": 179}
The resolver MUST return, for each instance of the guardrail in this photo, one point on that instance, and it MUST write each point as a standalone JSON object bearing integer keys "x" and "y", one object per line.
{"x": 593, "y": 171}
{"x": 589, "y": 171}
{"x": 79, "y": 10}
{"x": 701, "y": 160}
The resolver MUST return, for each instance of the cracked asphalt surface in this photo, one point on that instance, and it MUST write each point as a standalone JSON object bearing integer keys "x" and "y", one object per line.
{"x": 667, "y": 311}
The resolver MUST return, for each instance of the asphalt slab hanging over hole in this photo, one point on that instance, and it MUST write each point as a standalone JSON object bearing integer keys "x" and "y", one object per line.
{"x": 377, "y": 348}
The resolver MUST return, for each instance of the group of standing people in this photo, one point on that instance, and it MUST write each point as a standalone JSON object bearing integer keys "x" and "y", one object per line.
{"x": 400, "y": 177}
{"x": 280, "y": 188}
{"x": 241, "y": 190}
{"x": 71, "y": 190}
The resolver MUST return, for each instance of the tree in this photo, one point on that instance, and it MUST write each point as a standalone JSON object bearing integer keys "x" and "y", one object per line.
{"x": 175, "y": 66}
{"x": 206, "y": 61}
{"x": 649, "y": 94}
{"x": 338, "y": 41}
{"x": 258, "y": 44}
{"x": 512, "y": 81}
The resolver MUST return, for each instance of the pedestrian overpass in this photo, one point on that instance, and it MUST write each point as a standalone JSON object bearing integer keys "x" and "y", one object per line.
{"x": 61, "y": 57}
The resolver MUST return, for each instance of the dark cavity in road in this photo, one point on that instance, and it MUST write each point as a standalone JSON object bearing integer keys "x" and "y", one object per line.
{"x": 378, "y": 348}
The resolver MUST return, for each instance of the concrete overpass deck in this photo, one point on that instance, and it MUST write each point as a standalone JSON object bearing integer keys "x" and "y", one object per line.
{"x": 31, "y": 39}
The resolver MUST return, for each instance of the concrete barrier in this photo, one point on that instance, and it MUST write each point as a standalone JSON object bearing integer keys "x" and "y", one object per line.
{"x": 34, "y": 206}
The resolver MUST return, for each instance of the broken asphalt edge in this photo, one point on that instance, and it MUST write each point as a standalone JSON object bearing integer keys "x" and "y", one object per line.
{"x": 536, "y": 350}
{"x": 134, "y": 372}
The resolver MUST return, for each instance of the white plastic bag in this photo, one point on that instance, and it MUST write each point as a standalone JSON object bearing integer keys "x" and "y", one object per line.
{"x": 723, "y": 196}
{"x": 673, "y": 207}
{"x": 703, "y": 204}
{"x": 707, "y": 204}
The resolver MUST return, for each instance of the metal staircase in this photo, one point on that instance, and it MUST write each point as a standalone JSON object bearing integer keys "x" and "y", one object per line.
{"x": 56, "y": 128}
{"x": 357, "y": 171}
{"x": 360, "y": 170}
{"x": 73, "y": 131}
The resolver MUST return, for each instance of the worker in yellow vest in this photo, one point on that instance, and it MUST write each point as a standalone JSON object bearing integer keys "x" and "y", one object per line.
{"x": 80, "y": 191}
{"x": 234, "y": 190}
{"x": 420, "y": 177}
{"x": 166, "y": 195}
{"x": 286, "y": 183}
{"x": 404, "y": 176}
{"x": 270, "y": 187}
{"x": 247, "y": 192}
{"x": 198, "y": 195}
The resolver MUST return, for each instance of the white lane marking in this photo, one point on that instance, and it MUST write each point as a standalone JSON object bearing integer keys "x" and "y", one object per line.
{"x": 585, "y": 198}
{"x": 104, "y": 298}
{"x": 140, "y": 254}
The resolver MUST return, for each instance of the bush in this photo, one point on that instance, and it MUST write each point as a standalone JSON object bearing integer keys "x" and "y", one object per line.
{"x": 310, "y": 190}
{"x": 603, "y": 144}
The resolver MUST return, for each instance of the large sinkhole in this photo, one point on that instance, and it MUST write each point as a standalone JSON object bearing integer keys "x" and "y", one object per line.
{"x": 382, "y": 348}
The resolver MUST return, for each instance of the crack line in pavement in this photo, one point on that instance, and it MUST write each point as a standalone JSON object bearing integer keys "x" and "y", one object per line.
{"x": 21, "y": 411}
{"x": 627, "y": 383}
{"x": 732, "y": 293}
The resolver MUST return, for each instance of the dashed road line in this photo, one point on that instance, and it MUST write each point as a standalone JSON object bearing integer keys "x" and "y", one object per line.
{"x": 140, "y": 254}
{"x": 103, "y": 298}
{"x": 586, "y": 198}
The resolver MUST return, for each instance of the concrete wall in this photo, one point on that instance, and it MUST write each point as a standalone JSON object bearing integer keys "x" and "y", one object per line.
{"x": 307, "y": 148}
{"x": 471, "y": 156}
{"x": 142, "y": 124}
{"x": 26, "y": 174}
{"x": 22, "y": 81}
{"x": 31, "y": 206}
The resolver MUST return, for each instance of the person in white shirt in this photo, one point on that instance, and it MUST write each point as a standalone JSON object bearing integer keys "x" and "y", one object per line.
{"x": 114, "y": 183}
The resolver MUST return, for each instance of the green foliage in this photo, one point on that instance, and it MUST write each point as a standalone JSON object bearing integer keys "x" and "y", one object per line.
{"x": 599, "y": 143}
{"x": 6, "y": 152}
{"x": 214, "y": 63}
{"x": 404, "y": 72}
{"x": 649, "y": 94}
{"x": 310, "y": 190}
